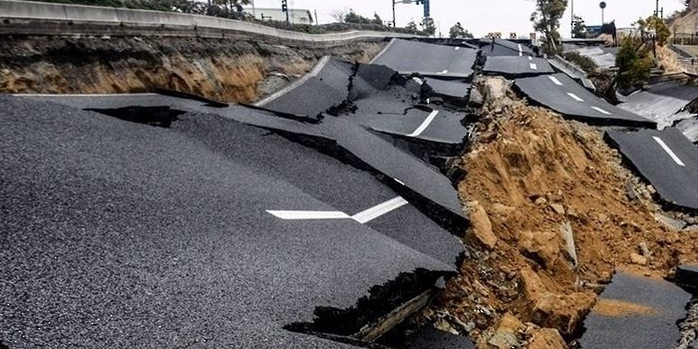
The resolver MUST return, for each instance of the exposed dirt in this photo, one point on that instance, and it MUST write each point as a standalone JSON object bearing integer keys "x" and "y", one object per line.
{"x": 533, "y": 181}
{"x": 226, "y": 70}
{"x": 617, "y": 308}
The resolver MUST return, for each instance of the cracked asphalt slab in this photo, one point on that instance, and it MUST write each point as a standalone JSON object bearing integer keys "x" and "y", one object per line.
{"x": 567, "y": 97}
{"x": 502, "y": 47}
{"x": 662, "y": 305}
{"x": 667, "y": 159}
{"x": 409, "y": 57}
{"x": 517, "y": 66}
{"x": 119, "y": 234}
{"x": 662, "y": 102}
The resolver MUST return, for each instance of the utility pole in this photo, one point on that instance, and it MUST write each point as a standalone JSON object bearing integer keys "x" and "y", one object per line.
{"x": 393, "y": 1}
{"x": 572, "y": 30}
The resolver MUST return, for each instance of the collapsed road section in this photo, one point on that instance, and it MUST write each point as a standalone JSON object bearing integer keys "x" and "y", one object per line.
{"x": 309, "y": 220}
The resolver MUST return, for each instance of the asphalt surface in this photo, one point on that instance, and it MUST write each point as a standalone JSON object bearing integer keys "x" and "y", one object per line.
{"x": 658, "y": 329}
{"x": 661, "y": 102}
{"x": 564, "y": 95}
{"x": 431, "y": 338}
{"x": 409, "y": 57}
{"x": 502, "y": 47}
{"x": 328, "y": 88}
{"x": 516, "y": 66}
{"x": 689, "y": 127}
{"x": 449, "y": 88}
{"x": 118, "y": 234}
{"x": 667, "y": 159}
{"x": 604, "y": 57}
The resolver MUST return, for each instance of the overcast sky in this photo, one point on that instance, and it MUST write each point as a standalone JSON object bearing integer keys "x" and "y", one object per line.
{"x": 484, "y": 16}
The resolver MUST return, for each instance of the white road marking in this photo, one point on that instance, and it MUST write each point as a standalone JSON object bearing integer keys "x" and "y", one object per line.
{"x": 309, "y": 215}
{"x": 444, "y": 72}
{"x": 575, "y": 97}
{"x": 530, "y": 58}
{"x": 399, "y": 181}
{"x": 669, "y": 151}
{"x": 379, "y": 210}
{"x": 520, "y": 50}
{"x": 424, "y": 124}
{"x": 601, "y": 110}
{"x": 362, "y": 217}
{"x": 457, "y": 48}
{"x": 555, "y": 80}
{"x": 534, "y": 66}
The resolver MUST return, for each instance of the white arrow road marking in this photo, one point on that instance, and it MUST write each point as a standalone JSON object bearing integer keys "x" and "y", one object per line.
{"x": 534, "y": 66}
{"x": 379, "y": 210}
{"x": 555, "y": 80}
{"x": 575, "y": 97}
{"x": 362, "y": 217}
{"x": 520, "y": 50}
{"x": 601, "y": 110}
{"x": 308, "y": 215}
{"x": 669, "y": 151}
{"x": 424, "y": 124}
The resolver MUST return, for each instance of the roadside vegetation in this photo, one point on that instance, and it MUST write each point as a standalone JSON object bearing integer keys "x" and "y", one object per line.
{"x": 232, "y": 9}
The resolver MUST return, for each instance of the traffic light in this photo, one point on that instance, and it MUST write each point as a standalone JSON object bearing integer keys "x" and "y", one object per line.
{"x": 284, "y": 5}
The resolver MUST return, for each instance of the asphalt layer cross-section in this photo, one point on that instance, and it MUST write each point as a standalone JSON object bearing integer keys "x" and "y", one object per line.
{"x": 118, "y": 234}
{"x": 515, "y": 66}
{"x": 667, "y": 159}
{"x": 664, "y": 303}
{"x": 565, "y": 96}
{"x": 409, "y": 57}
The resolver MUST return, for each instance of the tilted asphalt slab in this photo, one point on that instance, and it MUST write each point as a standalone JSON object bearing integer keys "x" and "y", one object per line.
{"x": 667, "y": 159}
{"x": 408, "y": 57}
{"x": 325, "y": 87}
{"x": 119, "y": 234}
{"x": 661, "y": 102}
{"x": 689, "y": 127}
{"x": 565, "y": 96}
{"x": 449, "y": 88}
{"x": 517, "y": 66}
{"x": 502, "y": 47}
{"x": 656, "y": 327}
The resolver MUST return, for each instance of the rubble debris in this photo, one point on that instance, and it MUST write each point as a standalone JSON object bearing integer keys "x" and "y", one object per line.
{"x": 689, "y": 327}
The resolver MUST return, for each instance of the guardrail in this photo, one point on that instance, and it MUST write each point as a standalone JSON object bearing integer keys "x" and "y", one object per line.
{"x": 38, "y": 18}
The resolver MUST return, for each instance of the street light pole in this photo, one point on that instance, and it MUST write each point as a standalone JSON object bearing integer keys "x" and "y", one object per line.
{"x": 572, "y": 30}
{"x": 393, "y": 1}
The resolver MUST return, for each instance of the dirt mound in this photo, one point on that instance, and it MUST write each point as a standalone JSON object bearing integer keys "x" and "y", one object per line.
{"x": 551, "y": 220}
{"x": 226, "y": 70}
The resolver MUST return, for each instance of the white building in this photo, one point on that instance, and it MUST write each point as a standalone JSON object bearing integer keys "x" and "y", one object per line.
{"x": 296, "y": 16}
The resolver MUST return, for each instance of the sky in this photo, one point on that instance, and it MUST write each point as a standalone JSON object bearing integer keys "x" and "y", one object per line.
{"x": 481, "y": 17}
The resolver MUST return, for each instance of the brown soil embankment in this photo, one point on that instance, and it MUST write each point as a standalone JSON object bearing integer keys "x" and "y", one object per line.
{"x": 551, "y": 221}
{"x": 226, "y": 70}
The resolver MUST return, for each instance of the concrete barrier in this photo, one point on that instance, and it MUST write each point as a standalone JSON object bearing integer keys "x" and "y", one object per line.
{"x": 26, "y": 11}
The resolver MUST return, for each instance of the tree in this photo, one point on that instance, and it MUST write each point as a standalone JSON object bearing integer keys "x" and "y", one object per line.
{"x": 353, "y": 17}
{"x": 657, "y": 26}
{"x": 458, "y": 32}
{"x": 634, "y": 62}
{"x": 579, "y": 28}
{"x": 412, "y": 26}
{"x": 428, "y": 26}
{"x": 546, "y": 19}
{"x": 377, "y": 19}
{"x": 232, "y": 5}
{"x": 338, "y": 15}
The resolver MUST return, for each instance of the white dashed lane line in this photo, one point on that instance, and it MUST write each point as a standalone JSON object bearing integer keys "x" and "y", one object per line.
{"x": 601, "y": 111}
{"x": 555, "y": 80}
{"x": 669, "y": 151}
{"x": 575, "y": 97}
{"x": 362, "y": 217}
{"x": 520, "y": 50}
{"x": 424, "y": 124}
